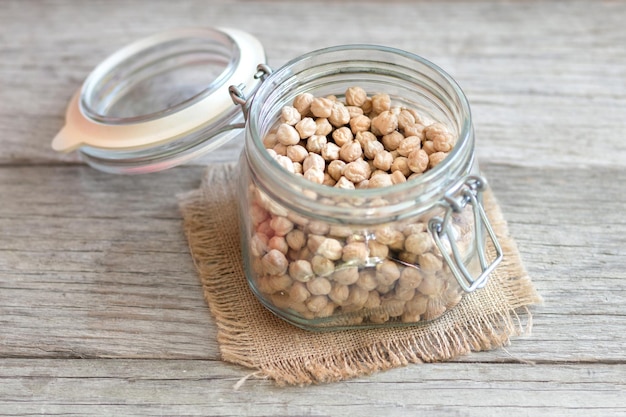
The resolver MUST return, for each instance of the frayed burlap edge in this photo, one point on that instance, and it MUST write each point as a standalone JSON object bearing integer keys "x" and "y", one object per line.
{"x": 211, "y": 226}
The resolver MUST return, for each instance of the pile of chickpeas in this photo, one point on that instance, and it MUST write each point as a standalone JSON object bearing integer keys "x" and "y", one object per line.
{"x": 318, "y": 270}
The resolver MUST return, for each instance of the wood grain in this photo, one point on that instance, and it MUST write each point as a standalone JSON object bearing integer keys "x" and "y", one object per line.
{"x": 201, "y": 388}
{"x": 101, "y": 312}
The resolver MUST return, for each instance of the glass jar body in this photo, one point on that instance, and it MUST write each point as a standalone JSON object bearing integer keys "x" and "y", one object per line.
{"x": 327, "y": 258}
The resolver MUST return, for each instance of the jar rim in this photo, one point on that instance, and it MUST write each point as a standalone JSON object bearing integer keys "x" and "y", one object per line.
{"x": 462, "y": 149}
{"x": 110, "y": 82}
{"x": 153, "y": 141}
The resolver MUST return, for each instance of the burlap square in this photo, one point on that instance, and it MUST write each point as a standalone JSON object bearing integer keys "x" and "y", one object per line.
{"x": 251, "y": 336}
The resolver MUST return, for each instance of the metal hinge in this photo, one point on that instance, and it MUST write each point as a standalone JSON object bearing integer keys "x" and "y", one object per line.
{"x": 441, "y": 229}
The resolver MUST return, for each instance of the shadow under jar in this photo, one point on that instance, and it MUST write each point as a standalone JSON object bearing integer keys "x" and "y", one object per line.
{"x": 397, "y": 255}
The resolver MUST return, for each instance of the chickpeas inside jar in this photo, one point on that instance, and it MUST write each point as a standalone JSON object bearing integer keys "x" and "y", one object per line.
{"x": 343, "y": 184}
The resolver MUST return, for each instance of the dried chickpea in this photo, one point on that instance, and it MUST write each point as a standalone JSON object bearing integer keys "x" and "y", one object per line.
{"x": 322, "y": 266}
{"x": 357, "y": 297}
{"x": 297, "y": 153}
{"x": 320, "y": 228}
{"x": 290, "y": 115}
{"x": 443, "y": 143}
{"x": 339, "y": 293}
{"x": 367, "y": 106}
{"x": 328, "y": 180}
{"x": 280, "y": 282}
{"x": 417, "y": 161}
{"x": 364, "y": 137}
{"x": 357, "y": 171}
{"x": 315, "y": 161}
{"x": 274, "y": 262}
{"x": 298, "y": 292}
{"x": 371, "y": 148}
{"x": 354, "y": 111}
{"x": 265, "y": 228}
{"x": 270, "y": 140}
{"x": 295, "y": 239}
{"x": 327, "y": 311}
{"x": 428, "y": 146}
{"x": 355, "y": 96}
{"x": 279, "y": 150}
{"x": 355, "y": 252}
{"x": 306, "y": 128}
{"x": 377, "y": 250}
{"x": 321, "y": 107}
{"x": 432, "y": 286}
{"x": 287, "y": 135}
{"x": 323, "y": 126}
{"x": 317, "y": 303}
{"x": 401, "y": 164}
{"x": 405, "y": 118}
{"x": 387, "y": 272}
{"x": 281, "y": 225}
{"x": 385, "y": 123}
{"x": 314, "y": 175}
{"x": 418, "y": 243}
{"x": 342, "y": 136}
{"x": 373, "y": 300}
{"x": 430, "y": 263}
{"x": 345, "y": 184}
{"x": 409, "y": 317}
{"x": 378, "y": 181}
{"x": 335, "y": 169}
{"x": 397, "y": 177}
{"x": 367, "y": 280}
{"x": 339, "y": 115}
{"x": 258, "y": 214}
{"x": 392, "y": 140}
{"x": 410, "y": 278}
{"x": 393, "y": 307}
{"x": 302, "y": 103}
{"x": 346, "y": 275}
{"x": 360, "y": 124}
{"x": 258, "y": 244}
{"x": 316, "y": 143}
{"x": 417, "y": 305}
{"x": 435, "y": 159}
{"x": 390, "y": 237}
{"x": 381, "y": 103}
{"x": 383, "y": 160}
{"x": 379, "y": 317}
{"x": 409, "y": 144}
{"x": 351, "y": 151}
{"x": 319, "y": 286}
{"x": 279, "y": 243}
{"x": 330, "y": 249}
{"x": 415, "y": 129}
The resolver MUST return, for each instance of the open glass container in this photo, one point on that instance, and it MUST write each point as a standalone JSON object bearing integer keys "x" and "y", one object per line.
{"x": 317, "y": 256}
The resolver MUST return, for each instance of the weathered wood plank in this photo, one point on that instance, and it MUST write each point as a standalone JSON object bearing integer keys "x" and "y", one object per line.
{"x": 194, "y": 388}
{"x": 547, "y": 81}
{"x": 96, "y": 266}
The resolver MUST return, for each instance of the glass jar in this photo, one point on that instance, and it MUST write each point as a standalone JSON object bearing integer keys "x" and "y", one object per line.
{"x": 317, "y": 256}
{"x": 322, "y": 257}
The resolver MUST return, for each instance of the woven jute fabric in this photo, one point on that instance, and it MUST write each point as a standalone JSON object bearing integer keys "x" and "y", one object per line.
{"x": 249, "y": 335}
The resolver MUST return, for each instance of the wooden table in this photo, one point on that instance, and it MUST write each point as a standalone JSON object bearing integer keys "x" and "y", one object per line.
{"x": 101, "y": 311}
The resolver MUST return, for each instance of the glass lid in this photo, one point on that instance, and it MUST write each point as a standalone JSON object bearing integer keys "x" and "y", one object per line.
{"x": 162, "y": 100}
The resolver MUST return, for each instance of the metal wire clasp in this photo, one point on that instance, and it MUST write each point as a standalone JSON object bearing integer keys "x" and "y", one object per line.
{"x": 237, "y": 91}
{"x": 441, "y": 228}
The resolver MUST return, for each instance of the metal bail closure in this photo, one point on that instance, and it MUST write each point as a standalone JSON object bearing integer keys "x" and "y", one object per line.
{"x": 238, "y": 95}
{"x": 441, "y": 229}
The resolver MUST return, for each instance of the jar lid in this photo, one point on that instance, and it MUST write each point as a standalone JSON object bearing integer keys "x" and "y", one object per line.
{"x": 162, "y": 100}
